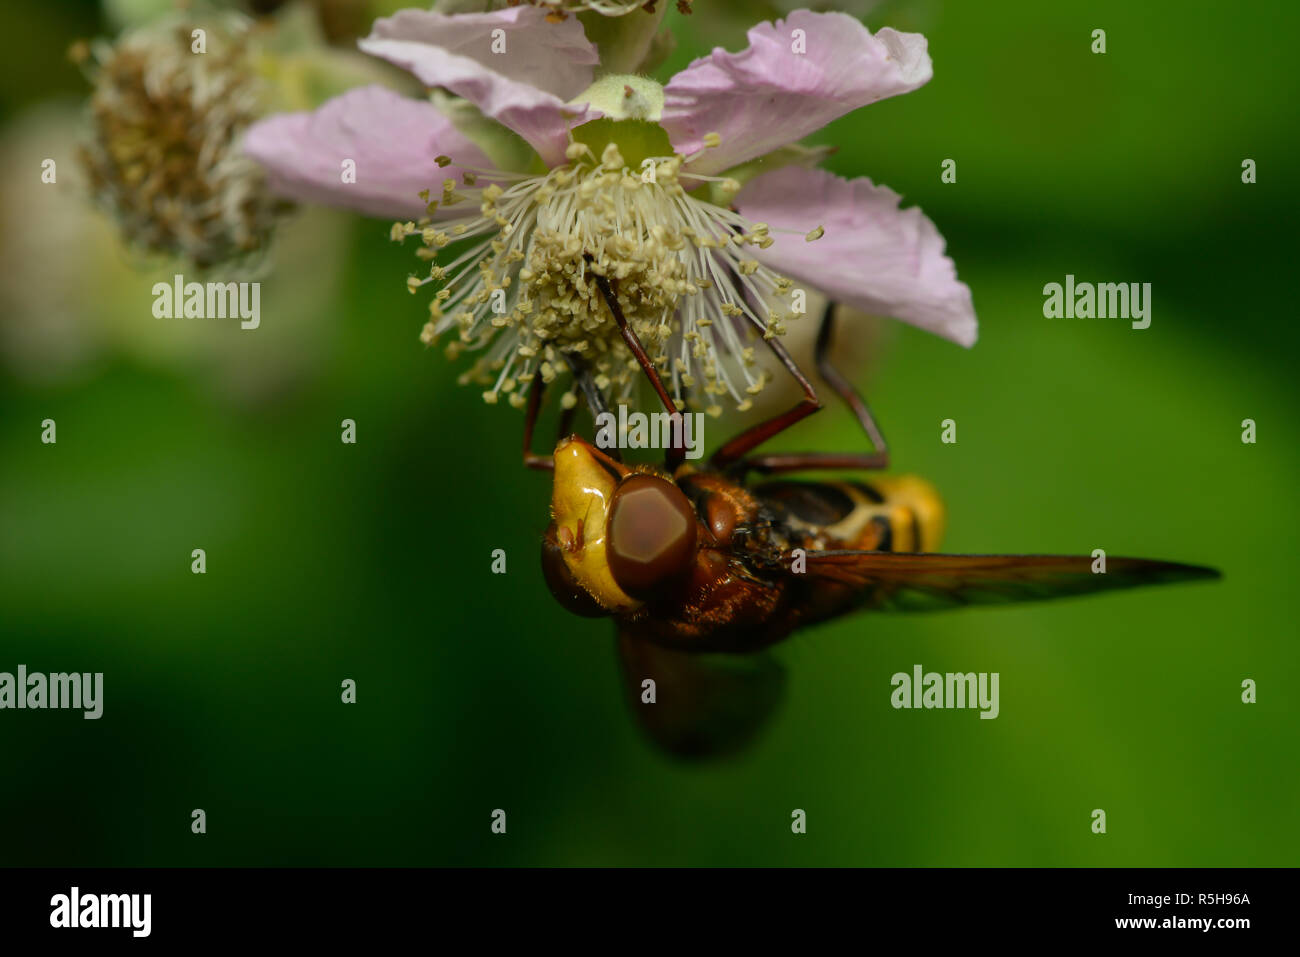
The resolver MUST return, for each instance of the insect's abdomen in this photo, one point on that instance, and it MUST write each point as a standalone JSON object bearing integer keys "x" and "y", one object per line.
{"x": 893, "y": 514}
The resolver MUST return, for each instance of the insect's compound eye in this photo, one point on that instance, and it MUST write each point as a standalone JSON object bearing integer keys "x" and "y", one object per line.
{"x": 650, "y": 536}
{"x": 560, "y": 580}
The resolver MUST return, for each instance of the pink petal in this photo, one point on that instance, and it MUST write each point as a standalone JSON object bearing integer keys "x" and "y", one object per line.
{"x": 521, "y": 77}
{"x": 767, "y": 95}
{"x": 874, "y": 256}
{"x": 394, "y": 141}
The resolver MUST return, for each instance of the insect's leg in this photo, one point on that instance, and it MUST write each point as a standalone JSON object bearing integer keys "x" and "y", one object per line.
{"x": 543, "y": 463}
{"x": 676, "y": 452}
{"x": 798, "y": 461}
{"x": 845, "y": 390}
{"x": 596, "y": 403}
{"x": 736, "y": 450}
{"x": 566, "y": 423}
{"x": 536, "y": 392}
{"x": 586, "y": 384}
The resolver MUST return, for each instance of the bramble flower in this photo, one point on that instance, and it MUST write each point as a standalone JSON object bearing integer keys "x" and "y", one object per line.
{"x": 626, "y": 32}
{"x": 558, "y": 9}
{"x": 166, "y": 119}
{"x": 689, "y": 207}
{"x": 171, "y": 99}
{"x": 61, "y": 316}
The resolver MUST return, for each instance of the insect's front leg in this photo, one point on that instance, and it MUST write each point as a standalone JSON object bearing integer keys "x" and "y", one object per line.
{"x": 595, "y": 403}
{"x": 536, "y": 390}
{"x": 676, "y": 453}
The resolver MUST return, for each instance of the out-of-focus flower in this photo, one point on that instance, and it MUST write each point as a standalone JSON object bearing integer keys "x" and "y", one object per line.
{"x": 340, "y": 21}
{"x": 71, "y": 302}
{"x": 690, "y": 206}
{"x": 170, "y": 102}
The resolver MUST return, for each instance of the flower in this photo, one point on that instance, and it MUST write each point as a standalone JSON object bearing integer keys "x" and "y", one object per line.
{"x": 625, "y": 32}
{"x": 166, "y": 119}
{"x": 557, "y": 9}
{"x": 63, "y": 317}
{"x": 689, "y": 206}
{"x": 172, "y": 97}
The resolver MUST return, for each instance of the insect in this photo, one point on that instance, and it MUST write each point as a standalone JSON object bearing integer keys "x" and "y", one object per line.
{"x": 703, "y": 569}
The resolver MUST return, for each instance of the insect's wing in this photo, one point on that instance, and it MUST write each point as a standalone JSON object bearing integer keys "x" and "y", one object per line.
{"x": 705, "y": 705}
{"x": 889, "y": 581}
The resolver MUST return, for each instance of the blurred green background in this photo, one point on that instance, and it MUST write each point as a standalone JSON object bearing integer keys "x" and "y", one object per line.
{"x": 475, "y": 691}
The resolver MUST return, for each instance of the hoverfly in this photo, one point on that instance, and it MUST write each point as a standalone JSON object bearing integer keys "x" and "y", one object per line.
{"x": 703, "y": 569}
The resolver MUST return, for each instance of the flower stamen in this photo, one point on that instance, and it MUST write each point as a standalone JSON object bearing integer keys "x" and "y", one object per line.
{"x": 545, "y": 249}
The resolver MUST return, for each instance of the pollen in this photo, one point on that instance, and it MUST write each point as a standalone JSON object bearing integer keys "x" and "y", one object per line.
{"x": 527, "y": 279}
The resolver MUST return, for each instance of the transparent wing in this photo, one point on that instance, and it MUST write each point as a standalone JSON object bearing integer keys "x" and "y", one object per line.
{"x": 889, "y": 581}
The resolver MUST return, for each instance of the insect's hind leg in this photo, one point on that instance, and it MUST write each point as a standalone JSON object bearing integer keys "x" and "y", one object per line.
{"x": 799, "y": 461}
{"x": 732, "y": 454}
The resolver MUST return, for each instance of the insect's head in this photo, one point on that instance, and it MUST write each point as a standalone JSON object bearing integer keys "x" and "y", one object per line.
{"x": 618, "y": 536}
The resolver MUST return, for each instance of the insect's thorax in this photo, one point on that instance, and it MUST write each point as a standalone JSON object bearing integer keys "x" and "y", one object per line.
{"x": 744, "y": 591}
